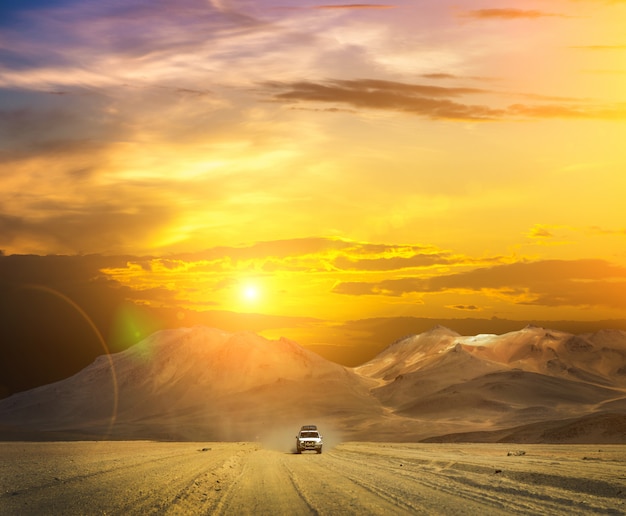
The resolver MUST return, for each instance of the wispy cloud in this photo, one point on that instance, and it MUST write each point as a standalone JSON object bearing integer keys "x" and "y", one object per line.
{"x": 610, "y": 112}
{"x": 439, "y": 75}
{"x": 600, "y": 47}
{"x": 507, "y": 14}
{"x": 540, "y": 231}
{"x": 465, "y": 308}
{"x": 605, "y": 231}
{"x": 419, "y": 99}
{"x": 356, "y": 6}
{"x": 393, "y": 263}
{"x": 432, "y": 101}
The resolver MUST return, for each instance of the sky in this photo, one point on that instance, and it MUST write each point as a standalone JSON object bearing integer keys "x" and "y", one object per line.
{"x": 311, "y": 165}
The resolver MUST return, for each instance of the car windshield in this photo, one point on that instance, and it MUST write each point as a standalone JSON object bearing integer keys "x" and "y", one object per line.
{"x": 308, "y": 434}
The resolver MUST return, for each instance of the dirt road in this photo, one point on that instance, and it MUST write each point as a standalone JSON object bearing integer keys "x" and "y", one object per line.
{"x": 353, "y": 478}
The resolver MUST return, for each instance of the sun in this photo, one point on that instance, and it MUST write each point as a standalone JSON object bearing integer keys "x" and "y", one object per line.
{"x": 250, "y": 293}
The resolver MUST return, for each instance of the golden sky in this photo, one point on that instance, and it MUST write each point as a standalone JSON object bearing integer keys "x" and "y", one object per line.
{"x": 324, "y": 161}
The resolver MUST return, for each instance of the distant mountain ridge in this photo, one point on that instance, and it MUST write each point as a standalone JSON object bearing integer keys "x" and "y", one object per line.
{"x": 206, "y": 384}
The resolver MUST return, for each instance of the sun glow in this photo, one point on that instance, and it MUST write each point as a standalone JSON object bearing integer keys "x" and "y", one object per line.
{"x": 250, "y": 292}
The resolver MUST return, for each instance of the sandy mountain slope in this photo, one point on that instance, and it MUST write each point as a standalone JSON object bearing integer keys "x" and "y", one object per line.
{"x": 511, "y": 397}
{"x": 596, "y": 358}
{"x": 409, "y": 354}
{"x": 196, "y": 383}
{"x": 499, "y": 381}
{"x": 604, "y": 428}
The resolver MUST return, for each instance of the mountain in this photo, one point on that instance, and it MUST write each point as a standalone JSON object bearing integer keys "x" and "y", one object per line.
{"x": 501, "y": 381}
{"x": 205, "y": 384}
{"x": 195, "y": 383}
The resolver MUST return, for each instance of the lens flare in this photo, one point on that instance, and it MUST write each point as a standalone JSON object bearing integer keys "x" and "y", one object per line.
{"x": 102, "y": 342}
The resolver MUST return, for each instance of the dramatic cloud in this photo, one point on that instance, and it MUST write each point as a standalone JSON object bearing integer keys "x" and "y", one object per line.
{"x": 546, "y": 283}
{"x": 431, "y": 160}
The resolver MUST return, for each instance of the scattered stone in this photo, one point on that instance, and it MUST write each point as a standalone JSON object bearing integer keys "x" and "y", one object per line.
{"x": 205, "y": 449}
{"x": 518, "y": 453}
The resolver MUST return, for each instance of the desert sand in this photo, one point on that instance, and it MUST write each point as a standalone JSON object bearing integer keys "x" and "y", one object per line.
{"x": 144, "y": 477}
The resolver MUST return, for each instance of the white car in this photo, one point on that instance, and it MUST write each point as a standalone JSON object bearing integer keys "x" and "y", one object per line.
{"x": 309, "y": 439}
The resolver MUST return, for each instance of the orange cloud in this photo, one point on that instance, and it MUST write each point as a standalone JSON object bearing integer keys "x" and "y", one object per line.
{"x": 507, "y": 14}
{"x": 434, "y": 102}
{"x": 425, "y": 100}
{"x": 612, "y": 112}
{"x": 541, "y": 231}
{"x": 469, "y": 308}
{"x": 393, "y": 263}
{"x": 603, "y": 231}
{"x": 545, "y": 283}
{"x": 356, "y": 6}
{"x": 601, "y": 47}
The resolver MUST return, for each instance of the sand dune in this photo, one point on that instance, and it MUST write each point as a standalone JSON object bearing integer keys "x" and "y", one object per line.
{"x": 205, "y": 384}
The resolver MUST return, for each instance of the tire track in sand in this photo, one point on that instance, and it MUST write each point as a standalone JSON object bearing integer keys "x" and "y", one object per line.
{"x": 263, "y": 486}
